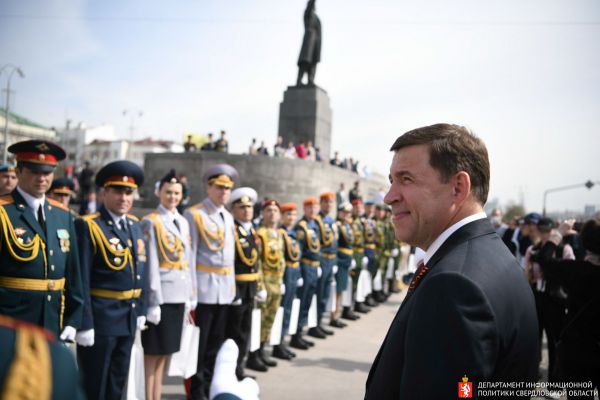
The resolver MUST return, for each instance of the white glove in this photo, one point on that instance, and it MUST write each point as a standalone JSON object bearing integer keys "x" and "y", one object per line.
{"x": 334, "y": 270}
{"x": 365, "y": 262}
{"x": 261, "y": 296}
{"x": 282, "y": 289}
{"x": 68, "y": 334}
{"x": 299, "y": 282}
{"x": 224, "y": 379}
{"x": 153, "y": 315}
{"x": 141, "y": 323}
{"x": 85, "y": 338}
{"x": 353, "y": 264}
{"x": 395, "y": 252}
{"x": 237, "y": 302}
{"x": 319, "y": 272}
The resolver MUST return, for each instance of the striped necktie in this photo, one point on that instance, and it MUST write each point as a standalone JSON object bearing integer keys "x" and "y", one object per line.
{"x": 422, "y": 270}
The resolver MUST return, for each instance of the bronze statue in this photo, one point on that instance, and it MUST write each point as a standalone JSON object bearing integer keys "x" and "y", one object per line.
{"x": 310, "y": 53}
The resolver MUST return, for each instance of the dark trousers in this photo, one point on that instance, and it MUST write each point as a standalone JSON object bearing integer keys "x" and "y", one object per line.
{"x": 212, "y": 321}
{"x": 324, "y": 285}
{"x": 105, "y": 365}
{"x": 552, "y": 321}
{"x": 290, "y": 279}
{"x": 239, "y": 323}
{"x": 373, "y": 265}
{"x": 310, "y": 277}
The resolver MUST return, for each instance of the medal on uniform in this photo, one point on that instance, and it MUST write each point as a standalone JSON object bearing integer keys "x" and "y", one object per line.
{"x": 20, "y": 231}
{"x": 64, "y": 240}
{"x": 117, "y": 260}
{"x": 113, "y": 243}
{"x": 141, "y": 250}
{"x": 129, "y": 244}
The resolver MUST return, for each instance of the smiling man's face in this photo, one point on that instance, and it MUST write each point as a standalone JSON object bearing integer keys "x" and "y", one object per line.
{"x": 421, "y": 202}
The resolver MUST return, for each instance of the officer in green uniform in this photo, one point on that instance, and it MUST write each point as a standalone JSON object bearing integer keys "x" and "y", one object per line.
{"x": 370, "y": 239}
{"x": 40, "y": 279}
{"x": 273, "y": 267}
{"x": 361, "y": 261}
{"x": 395, "y": 253}
{"x": 8, "y": 179}
{"x": 61, "y": 190}
{"x": 34, "y": 365}
{"x": 383, "y": 249}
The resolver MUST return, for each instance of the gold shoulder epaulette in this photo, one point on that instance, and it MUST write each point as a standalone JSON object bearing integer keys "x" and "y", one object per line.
{"x": 302, "y": 223}
{"x": 58, "y": 204}
{"x": 197, "y": 205}
{"x": 6, "y": 199}
{"x": 90, "y": 216}
{"x": 133, "y": 217}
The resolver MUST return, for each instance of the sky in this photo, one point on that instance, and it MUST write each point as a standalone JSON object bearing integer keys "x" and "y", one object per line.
{"x": 522, "y": 75}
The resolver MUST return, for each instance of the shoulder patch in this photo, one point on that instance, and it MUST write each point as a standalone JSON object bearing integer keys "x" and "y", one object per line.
{"x": 152, "y": 215}
{"x": 197, "y": 205}
{"x": 58, "y": 204}
{"x": 6, "y": 199}
{"x": 133, "y": 217}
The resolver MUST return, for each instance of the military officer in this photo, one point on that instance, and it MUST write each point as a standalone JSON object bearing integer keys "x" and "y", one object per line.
{"x": 171, "y": 281}
{"x": 213, "y": 249}
{"x": 361, "y": 261}
{"x": 247, "y": 278}
{"x": 291, "y": 276}
{"x": 395, "y": 253}
{"x": 383, "y": 249}
{"x": 370, "y": 243}
{"x": 34, "y": 365}
{"x": 8, "y": 179}
{"x": 273, "y": 268}
{"x": 307, "y": 234}
{"x": 61, "y": 190}
{"x": 113, "y": 265}
{"x": 345, "y": 262}
{"x": 328, "y": 236}
{"x": 40, "y": 280}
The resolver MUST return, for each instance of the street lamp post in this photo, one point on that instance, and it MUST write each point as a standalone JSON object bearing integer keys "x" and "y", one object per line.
{"x": 589, "y": 184}
{"x": 133, "y": 114}
{"x": 12, "y": 68}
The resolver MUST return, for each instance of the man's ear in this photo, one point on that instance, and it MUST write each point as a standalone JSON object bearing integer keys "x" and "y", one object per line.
{"x": 461, "y": 186}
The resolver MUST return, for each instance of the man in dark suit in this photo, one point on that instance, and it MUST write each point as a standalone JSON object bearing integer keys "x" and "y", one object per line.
{"x": 469, "y": 311}
{"x": 113, "y": 268}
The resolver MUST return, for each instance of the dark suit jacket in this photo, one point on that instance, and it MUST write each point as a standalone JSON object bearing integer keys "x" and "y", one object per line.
{"x": 473, "y": 314}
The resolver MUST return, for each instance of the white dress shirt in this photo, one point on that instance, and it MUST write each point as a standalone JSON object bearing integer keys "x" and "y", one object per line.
{"x": 439, "y": 241}
{"x": 33, "y": 202}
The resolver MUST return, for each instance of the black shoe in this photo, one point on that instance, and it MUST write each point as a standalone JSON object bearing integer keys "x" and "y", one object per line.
{"x": 336, "y": 323}
{"x": 307, "y": 342}
{"x": 348, "y": 314}
{"x": 361, "y": 308}
{"x": 315, "y": 332}
{"x": 324, "y": 330}
{"x": 379, "y": 297}
{"x": 298, "y": 343}
{"x": 255, "y": 363}
{"x": 278, "y": 352}
{"x": 268, "y": 361}
{"x": 286, "y": 349}
{"x": 370, "y": 302}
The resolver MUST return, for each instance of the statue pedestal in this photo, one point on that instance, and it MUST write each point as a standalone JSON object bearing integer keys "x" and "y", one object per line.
{"x": 304, "y": 114}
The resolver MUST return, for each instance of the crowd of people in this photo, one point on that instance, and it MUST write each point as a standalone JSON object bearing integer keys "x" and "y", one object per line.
{"x": 99, "y": 278}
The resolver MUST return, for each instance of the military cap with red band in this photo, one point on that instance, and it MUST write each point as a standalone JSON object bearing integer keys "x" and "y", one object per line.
{"x": 287, "y": 207}
{"x": 62, "y": 186}
{"x": 120, "y": 173}
{"x": 327, "y": 196}
{"x": 310, "y": 201}
{"x": 37, "y": 155}
{"x": 356, "y": 202}
{"x": 270, "y": 202}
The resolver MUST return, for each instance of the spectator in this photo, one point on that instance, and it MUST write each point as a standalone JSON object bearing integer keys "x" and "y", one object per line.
{"x": 210, "y": 145}
{"x": 189, "y": 146}
{"x": 572, "y": 238}
{"x": 279, "y": 149}
{"x": 252, "y": 149}
{"x": 341, "y": 196}
{"x": 310, "y": 152}
{"x": 496, "y": 221}
{"x": 318, "y": 157}
{"x": 291, "y": 151}
{"x": 355, "y": 166}
{"x": 355, "y": 192}
{"x": 301, "y": 151}
{"x": 262, "y": 150}
{"x": 222, "y": 146}
{"x": 335, "y": 161}
{"x": 185, "y": 194}
{"x": 85, "y": 180}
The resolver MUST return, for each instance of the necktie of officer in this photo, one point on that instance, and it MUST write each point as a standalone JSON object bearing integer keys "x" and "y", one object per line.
{"x": 123, "y": 225}
{"x": 422, "y": 270}
{"x": 177, "y": 225}
{"x": 40, "y": 218}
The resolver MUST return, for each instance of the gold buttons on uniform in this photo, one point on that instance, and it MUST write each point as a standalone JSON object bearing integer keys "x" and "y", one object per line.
{"x": 133, "y": 305}
{"x": 51, "y": 252}
{"x": 49, "y": 297}
{"x": 52, "y": 268}
{"x": 139, "y": 277}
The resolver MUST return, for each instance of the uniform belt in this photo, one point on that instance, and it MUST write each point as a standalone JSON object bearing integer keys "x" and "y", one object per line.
{"x": 329, "y": 256}
{"x": 214, "y": 270}
{"x": 167, "y": 265}
{"x": 32, "y": 284}
{"x": 370, "y": 246}
{"x": 292, "y": 264}
{"x": 359, "y": 250}
{"x": 311, "y": 262}
{"x": 116, "y": 294}
{"x": 247, "y": 277}
{"x": 345, "y": 251}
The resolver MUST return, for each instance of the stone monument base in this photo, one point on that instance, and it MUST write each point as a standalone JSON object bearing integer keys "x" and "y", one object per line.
{"x": 305, "y": 115}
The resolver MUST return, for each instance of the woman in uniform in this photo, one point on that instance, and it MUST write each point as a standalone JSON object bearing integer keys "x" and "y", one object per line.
{"x": 172, "y": 283}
